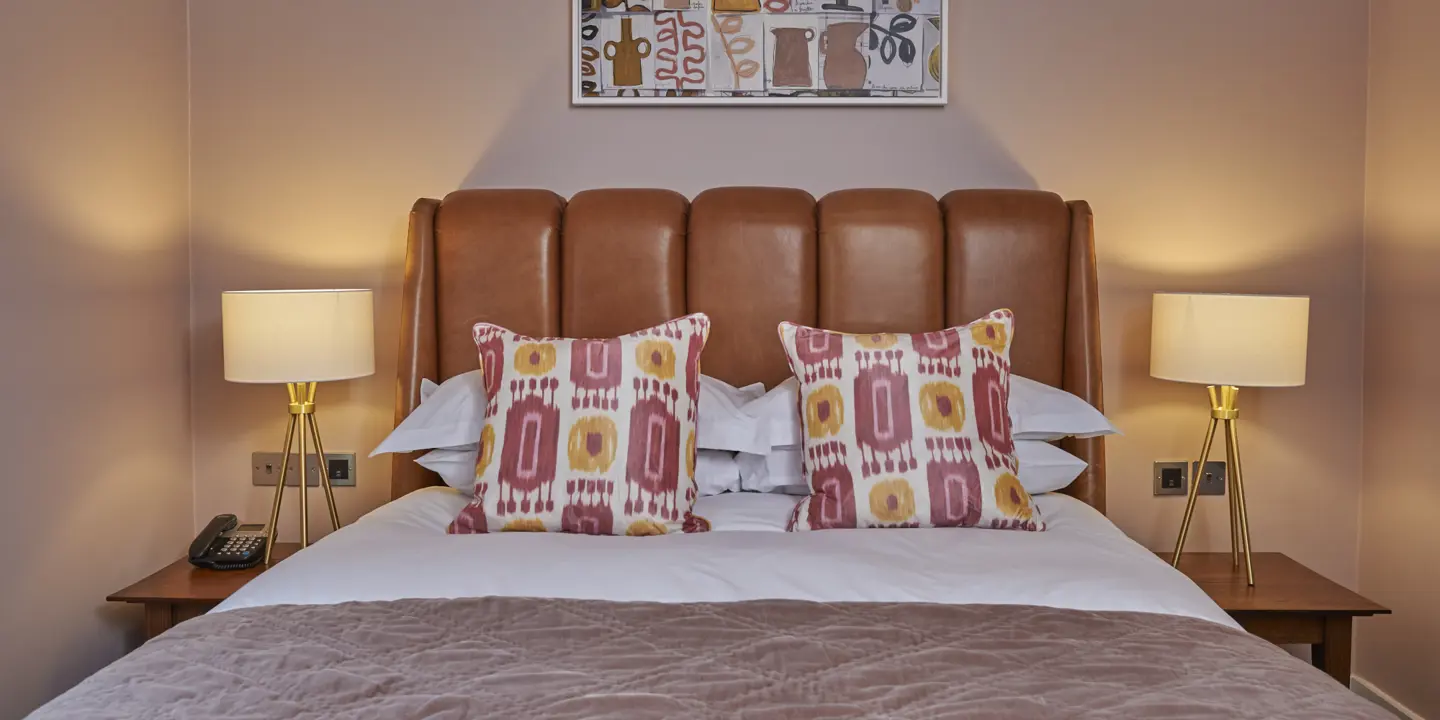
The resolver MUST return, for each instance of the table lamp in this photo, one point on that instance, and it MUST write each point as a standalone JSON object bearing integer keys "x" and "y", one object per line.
{"x": 299, "y": 338}
{"x": 1228, "y": 342}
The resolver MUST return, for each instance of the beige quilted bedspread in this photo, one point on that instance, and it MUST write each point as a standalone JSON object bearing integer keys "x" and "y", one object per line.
{"x": 770, "y": 660}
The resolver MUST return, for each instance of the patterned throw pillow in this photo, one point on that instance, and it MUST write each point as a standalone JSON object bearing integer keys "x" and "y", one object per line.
{"x": 588, "y": 436}
{"x": 908, "y": 430}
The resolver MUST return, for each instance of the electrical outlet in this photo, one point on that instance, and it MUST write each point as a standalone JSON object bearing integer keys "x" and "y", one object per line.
{"x": 265, "y": 469}
{"x": 1212, "y": 481}
{"x": 1171, "y": 478}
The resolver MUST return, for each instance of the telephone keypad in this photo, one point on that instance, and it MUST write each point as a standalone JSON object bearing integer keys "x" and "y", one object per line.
{"x": 240, "y": 545}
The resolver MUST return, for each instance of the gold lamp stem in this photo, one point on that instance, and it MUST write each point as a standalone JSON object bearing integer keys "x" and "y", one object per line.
{"x": 302, "y": 424}
{"x": 1224, "y": 411}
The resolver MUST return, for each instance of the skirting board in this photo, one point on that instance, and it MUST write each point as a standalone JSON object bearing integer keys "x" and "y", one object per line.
{"x": 1365, "y": 689}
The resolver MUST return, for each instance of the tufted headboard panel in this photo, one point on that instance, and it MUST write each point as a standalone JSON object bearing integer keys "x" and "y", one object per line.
{"x": 609, "y": 262}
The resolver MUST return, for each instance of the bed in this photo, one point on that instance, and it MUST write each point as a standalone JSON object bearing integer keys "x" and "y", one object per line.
{"x": 392, "y": 617}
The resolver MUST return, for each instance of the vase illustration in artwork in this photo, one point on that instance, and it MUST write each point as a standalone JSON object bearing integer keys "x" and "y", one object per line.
{"x": 844, "y": 65}
{"x": 792, "y": 57}
{"x": 737, "y": 6}
{"x": 626, "y": 55}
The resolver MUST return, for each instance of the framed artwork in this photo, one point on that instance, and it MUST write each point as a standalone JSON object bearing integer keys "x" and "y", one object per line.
{"x": 760, "y": 52}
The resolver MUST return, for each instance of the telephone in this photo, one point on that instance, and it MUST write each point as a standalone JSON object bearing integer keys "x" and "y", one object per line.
{"x": 224, "y": 544}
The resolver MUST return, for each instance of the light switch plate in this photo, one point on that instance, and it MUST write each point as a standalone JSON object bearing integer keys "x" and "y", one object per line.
{"x": 265, "y": 469}
{"x": 1212, "y": 481}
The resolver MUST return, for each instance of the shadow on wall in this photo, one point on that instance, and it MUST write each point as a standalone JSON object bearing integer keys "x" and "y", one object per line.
{"x": 546, "y": 143}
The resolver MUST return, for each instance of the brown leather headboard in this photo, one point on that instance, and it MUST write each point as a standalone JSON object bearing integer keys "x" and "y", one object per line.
{"x": 610, "y": 262}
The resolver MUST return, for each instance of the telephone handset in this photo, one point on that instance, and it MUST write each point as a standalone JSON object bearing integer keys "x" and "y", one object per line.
{"x": 224, "y": 544}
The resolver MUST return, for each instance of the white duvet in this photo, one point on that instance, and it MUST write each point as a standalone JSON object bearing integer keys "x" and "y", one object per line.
{"x": 401, "y": 551}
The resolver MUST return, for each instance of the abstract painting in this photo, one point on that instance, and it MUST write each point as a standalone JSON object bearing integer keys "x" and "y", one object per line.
{"x": 737, "y": 44}
{"x": 792, "y": 58}
{"x": 628, "y": 51}
{"x": 773, "y": 52}
{"x": 895, "y": 62}
{"x": 680, "y": 52}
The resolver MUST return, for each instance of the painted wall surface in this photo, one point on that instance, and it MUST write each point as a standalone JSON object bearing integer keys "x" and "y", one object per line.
{"x": 1221, "y": 143}
{"x": 94, "y": 312}
{"x": 1401, "y": 499}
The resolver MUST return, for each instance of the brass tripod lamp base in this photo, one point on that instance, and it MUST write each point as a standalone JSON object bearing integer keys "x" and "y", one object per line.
{"x": 302, "y": 429}
{"x": 1223, "y": 411}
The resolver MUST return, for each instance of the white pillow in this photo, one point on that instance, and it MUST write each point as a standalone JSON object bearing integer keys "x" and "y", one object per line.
{"x": 456, "y": 466}
{"x": 731, "y": 394}
{"x": 1041, "y": 412}
{"x": 716, "y": 472}
{"x": 747, "y": 512}
{"x": 451, "y": 417}
{"x": 777, "y": 471}
{"x": 748, "y": 420}
{"x": 1043, "y": 468}
{"x": 1046, "y": 468}
{"x": 778, "y": 413}
{"x": 721, "y": 424}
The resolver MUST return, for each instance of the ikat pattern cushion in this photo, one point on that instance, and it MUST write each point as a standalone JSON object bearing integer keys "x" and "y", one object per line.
{"x": 908, "y": 430}
{"x": 588, "y": 436}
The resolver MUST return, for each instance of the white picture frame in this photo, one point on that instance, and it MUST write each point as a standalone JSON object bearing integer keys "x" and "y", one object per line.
{"x": 596, "y": 53}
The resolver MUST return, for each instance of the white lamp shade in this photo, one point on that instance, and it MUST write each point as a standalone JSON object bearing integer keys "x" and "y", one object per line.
{"x": 1240, "y": 340}
{"x": 285, "y": 336}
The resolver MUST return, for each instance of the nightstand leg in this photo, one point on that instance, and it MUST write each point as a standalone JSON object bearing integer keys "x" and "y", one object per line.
{"x": 159, "y": 617}
{"x": 1333, "y": 655}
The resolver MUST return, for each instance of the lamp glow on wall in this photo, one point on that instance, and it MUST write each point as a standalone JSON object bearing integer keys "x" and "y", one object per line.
{"x": 299, "y": 338}
{"x": 1228, "y": 342}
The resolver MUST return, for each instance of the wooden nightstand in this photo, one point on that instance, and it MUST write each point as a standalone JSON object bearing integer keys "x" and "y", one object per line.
{"x": 182, "y": 591}
{"x": 1289, "y": 605}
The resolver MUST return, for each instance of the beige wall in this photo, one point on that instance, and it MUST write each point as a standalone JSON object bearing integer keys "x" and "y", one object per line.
{"x": 1401, "y": 500}
{"x": 94, "y": 316}
{"x": 1222, "y": 144}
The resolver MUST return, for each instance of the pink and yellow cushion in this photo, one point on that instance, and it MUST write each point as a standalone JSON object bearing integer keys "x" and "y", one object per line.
{"x": 588, "y": 436}
{"x": 908, "y": 430}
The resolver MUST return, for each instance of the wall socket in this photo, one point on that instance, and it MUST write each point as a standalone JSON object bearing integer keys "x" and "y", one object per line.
{"x": 1173, "y": 478}
{"x": 265, "y": 469}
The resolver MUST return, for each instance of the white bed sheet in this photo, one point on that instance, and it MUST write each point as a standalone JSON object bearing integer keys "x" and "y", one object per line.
{"x": 401, "y": 551}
